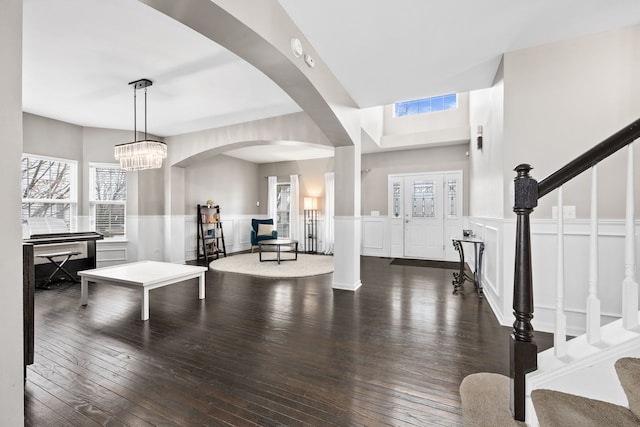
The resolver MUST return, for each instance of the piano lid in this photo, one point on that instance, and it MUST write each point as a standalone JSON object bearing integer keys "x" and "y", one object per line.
{"x": 54, "y": 230}
{"x": 66, "y": 237}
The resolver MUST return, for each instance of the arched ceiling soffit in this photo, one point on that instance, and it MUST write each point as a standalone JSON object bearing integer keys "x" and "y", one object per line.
{"x": 260, "y": 32}
{"x": 203, "y": 156}
{"x": 298, "y": 127}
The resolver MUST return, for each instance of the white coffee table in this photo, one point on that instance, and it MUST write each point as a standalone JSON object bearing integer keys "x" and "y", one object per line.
{"x": 143, "y": 275}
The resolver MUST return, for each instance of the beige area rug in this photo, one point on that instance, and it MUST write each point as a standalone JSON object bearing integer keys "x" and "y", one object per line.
{"x": 306, "y": 265}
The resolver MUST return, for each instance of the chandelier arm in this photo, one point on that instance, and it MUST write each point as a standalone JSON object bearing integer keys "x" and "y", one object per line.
{"x": 145, "y": 113}
{"x": 135, "y": 115}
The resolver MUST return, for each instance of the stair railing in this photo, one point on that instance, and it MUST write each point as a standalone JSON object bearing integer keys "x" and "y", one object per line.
{"x": 527, "y": 192}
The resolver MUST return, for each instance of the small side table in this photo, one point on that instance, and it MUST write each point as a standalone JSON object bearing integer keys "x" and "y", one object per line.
{"x": 291, "y": 245}
{"x": 460, "y": 276}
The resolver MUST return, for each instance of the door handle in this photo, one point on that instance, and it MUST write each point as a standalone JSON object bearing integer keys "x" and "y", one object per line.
{"x": 407, "y": 221}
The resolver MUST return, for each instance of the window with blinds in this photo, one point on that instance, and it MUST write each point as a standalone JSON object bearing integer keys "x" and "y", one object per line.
{"x": 49, "y": 189}
{"x": 108, "y": 199}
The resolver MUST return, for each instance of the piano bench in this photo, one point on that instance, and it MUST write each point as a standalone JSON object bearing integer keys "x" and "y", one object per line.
{"x": 65, "y": 256}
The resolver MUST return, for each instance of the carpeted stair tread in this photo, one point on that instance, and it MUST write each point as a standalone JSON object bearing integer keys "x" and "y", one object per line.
{"x": 628, "y": 369}
{"x": 557, "y": 409}
{"x": 485, "y": 401}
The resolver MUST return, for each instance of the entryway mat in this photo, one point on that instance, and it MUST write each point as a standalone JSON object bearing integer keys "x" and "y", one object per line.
{"x": 425, "y": 263}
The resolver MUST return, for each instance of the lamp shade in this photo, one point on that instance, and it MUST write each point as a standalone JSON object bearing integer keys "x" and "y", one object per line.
{"x": 310, "y": 203}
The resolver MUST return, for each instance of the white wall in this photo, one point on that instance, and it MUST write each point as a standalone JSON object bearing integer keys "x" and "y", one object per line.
{"x": 486, "y": 108}
{"x": 11, "y": 373}
{"x": 553, "y": 103}
{"x": 438, "y": 128}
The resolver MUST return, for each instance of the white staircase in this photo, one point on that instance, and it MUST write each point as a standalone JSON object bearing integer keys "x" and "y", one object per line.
{"x": 584, "y": 365}
{"x": 587, "y": 369}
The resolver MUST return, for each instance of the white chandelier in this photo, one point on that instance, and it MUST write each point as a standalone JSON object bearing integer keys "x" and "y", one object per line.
{"x": 144, "y": 154}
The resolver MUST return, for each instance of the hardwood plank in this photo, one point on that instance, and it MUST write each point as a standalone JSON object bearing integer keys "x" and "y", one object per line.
{"x": 261, "y": 351}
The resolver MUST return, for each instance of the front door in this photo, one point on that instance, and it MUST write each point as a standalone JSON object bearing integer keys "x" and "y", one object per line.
{"x": 425, "y": 211}
{"x": 423, "y": 225}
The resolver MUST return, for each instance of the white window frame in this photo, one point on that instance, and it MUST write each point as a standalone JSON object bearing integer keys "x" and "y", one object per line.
{"x": 279, "y": 224}
{"x": 422, "y": 103}
{"x": 72, "y": 200}
{"x": 93, "y": 203}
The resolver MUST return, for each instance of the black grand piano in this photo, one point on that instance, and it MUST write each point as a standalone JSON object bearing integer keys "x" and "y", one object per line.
{"x": 33, "y": 273}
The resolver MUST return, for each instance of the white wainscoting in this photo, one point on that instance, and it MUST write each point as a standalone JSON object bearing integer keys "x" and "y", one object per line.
{"x": 375, "y": 236}
{"x": 111, "y": 252}
{"x": 499, "y": 236}
{"x": 236, "y": 228}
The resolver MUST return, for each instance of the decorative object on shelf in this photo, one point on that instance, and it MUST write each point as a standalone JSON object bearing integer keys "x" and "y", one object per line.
{"x": 311, "y": 225}
{"x": 144, "y": 154}
{"x": 210, "y": 240}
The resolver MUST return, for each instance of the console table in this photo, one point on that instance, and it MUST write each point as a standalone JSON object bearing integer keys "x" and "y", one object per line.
{"x": 460, "y": 276}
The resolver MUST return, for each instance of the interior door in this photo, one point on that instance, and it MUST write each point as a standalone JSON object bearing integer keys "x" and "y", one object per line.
{"x": 423, "y": 216}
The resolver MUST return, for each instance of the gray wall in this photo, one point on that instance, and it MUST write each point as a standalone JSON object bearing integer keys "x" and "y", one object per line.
{"x": 310, "y": 176}
{"x": 380, "y": 165}
{"x": 560, "y": 100}
{"x": 48, "y": 137}
{"x": 11, "y": 379}
{"x": 374, "y": 182}
{"x": 232, "y": 183}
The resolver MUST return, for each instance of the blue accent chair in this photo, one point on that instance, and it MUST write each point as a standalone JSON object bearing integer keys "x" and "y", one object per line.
{"x": 254, "y": 231}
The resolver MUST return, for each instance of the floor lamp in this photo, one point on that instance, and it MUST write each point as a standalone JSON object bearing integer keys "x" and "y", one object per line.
{"x": 311, "y": 224}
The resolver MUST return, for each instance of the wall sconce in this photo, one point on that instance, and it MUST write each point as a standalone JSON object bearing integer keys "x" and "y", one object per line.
{"x": 310, "y": 205}
{"x": 479, "y": 137}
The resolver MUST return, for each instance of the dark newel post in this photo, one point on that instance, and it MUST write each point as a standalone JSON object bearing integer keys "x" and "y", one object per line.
{"x": 523, "y": 349}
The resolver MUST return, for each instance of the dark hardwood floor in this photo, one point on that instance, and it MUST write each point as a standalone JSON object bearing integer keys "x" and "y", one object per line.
{"x": 262, "y": 351}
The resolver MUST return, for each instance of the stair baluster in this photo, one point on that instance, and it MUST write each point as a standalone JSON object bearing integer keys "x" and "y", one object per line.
{"x": 523, "y": 350}
{"x": 593, "y": 302}
{"x": 560, "y": 333}
{"x": 629, "y": 285}
{"x": 527, "y": 191}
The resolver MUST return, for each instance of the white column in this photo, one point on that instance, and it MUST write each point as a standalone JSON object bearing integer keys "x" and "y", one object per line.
{"x": 11, "y": 360}
{"x": 593, "y": 303}
{"x": 629, "y": 285}
{"x": 560, "y": 333}
{"x": 346, "y": 255}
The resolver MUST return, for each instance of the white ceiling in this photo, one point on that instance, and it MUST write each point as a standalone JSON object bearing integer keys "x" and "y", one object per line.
{"x": 79, "y": 56}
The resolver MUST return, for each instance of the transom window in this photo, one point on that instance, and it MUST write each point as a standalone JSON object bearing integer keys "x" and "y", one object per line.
{"x": 426, "y": 105}
{"x": 108, "y": 198}
{"x": 49, "y": 189}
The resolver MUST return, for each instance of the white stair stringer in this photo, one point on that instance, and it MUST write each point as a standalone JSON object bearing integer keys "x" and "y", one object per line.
{"x": 587, "y": 370}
